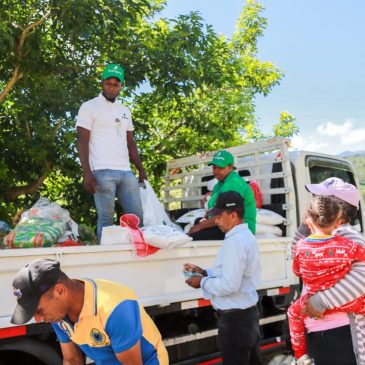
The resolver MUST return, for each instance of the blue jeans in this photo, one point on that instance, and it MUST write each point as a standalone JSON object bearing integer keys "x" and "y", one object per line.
{"x": 120, "y": 184}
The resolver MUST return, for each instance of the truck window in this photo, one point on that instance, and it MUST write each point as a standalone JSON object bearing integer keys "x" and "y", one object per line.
{"x": 323, "y": 171}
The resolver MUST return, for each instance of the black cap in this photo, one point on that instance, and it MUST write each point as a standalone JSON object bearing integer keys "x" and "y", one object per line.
{"x": 229, "y": 200}
{"x": 29, "y": 284}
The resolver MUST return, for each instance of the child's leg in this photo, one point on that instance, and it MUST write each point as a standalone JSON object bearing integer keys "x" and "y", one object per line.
{"x": 296, "y": 326}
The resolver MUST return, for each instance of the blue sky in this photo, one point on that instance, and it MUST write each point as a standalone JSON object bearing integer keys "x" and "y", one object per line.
{"x": 319, "y": 45}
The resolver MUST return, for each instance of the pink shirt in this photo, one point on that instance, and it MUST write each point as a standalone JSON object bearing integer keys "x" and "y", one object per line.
{"x": 328, "y": 322}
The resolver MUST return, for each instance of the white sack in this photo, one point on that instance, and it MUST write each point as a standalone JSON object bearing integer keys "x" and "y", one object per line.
{"x": 265, "y": 216}
{"x": 164, "y": 236}
{"x": 115, "y": 235}
{"x": 265, "y": 228}
{"x": 191, "y": 216}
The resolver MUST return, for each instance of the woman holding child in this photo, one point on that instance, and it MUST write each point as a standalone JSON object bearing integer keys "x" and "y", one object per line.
{"x": 328, "y": 260}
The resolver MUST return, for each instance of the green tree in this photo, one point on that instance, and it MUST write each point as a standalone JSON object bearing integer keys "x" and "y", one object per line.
{"x": 189, "y": 88}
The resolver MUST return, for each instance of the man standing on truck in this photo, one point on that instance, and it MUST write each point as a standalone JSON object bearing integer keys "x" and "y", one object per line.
{"x": 228, "y": 180}
{"x": 231, "y": 284}
{"x": 99, "y": 318}
{"x": 106, "y": 146}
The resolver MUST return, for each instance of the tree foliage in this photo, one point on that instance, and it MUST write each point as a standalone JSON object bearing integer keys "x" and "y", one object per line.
{"x": 189, "y": 88}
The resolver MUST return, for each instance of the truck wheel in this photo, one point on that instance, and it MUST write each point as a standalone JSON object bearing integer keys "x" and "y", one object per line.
{"x": 41, "y": 351}
{"x": 281, "y": 359}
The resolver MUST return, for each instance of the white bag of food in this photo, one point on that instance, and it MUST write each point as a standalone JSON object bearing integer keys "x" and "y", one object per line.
{"x": 191, "y": 216}
{"x": 265, "y": 216}
{"x": 164, "y": 236}
{"x": 115, "y": 235}
{"x": 268, "y": 229}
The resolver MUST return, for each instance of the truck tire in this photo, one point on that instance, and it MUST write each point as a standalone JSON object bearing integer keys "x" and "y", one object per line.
{"x": 281, "y": 359}
{"x": 41, "y": 351}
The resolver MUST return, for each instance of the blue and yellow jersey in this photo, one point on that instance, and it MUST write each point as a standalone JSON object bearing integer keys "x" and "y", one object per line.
{"x": 112, "y": 321}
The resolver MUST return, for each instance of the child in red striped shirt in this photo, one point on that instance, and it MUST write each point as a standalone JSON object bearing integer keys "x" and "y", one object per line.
{"x": 321, "y": 260}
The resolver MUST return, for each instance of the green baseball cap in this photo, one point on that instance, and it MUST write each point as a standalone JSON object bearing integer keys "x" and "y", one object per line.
{"x": 113, "y": 70}
{"x": 222, "y": 159}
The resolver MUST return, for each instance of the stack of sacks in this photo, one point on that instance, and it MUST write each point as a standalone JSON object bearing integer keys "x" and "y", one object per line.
{"x": 188, "y": 219}
{"x": 267, "y": 223}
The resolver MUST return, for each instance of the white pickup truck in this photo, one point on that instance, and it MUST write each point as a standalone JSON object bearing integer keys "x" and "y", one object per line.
{"x": 187, "y": 321}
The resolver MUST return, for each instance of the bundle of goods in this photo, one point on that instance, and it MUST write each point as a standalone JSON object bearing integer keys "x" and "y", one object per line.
{"x": 41, "y": 226}
{"x": 267, "y": 223}
{"x": 164, "y": 236}
{"x": 36, "y": 232}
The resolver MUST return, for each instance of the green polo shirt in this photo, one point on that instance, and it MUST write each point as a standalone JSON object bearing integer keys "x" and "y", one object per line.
{"x": 234, "y": 182}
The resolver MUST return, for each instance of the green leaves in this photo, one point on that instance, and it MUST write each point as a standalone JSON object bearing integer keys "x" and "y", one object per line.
{"x": 189, "y": 89}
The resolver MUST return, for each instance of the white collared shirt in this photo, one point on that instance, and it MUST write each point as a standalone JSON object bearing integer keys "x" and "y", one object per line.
{"x": 232, "y": 282}
{"x": 108, "y": 124}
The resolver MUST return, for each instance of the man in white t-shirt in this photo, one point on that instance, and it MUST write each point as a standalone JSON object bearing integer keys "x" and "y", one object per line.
{"x": 106, "y": 146}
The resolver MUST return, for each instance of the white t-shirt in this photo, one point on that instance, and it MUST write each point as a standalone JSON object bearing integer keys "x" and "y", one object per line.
{"x": 108, "y": 124}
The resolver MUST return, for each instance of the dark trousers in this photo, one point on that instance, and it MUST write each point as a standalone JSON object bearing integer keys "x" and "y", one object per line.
{"x": 331, "y": 347}
{"x": 238, "y": 333}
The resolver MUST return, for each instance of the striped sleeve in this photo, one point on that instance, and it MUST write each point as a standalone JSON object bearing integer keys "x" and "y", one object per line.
{"x": 301, "y": 232}
{"x": 351, "y": 286}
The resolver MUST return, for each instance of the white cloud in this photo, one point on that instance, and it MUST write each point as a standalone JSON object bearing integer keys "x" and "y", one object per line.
{"x": 332, "y": 129}
{"x": 332, "y": 138}
{"x": 309, "y": 144}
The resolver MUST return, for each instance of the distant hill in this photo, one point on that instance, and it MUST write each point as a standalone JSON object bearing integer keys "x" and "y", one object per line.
{"x": 359, "y": 163}
{"x": 346, "y": 154}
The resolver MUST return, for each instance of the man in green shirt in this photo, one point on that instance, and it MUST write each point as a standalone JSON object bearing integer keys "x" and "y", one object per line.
{"x": 228, "y": 180}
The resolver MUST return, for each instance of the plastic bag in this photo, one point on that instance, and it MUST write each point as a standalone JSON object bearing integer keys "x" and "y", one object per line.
{"x": 45, "y": 209}
{"x": 36, "y": 232}
{"x": 115, "y": 235}
{"x": 164, "y": 236}
{"x": 153, "y": 211}
{"x": 141, "y": 247}
{"x": 257, "y": 192}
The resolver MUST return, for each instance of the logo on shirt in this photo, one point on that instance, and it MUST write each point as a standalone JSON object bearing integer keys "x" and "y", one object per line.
{"x": 98, "y": 338}
{"x": 17, "y": 292}
{"x": 64, "y": 327}
{"x": 124, "y": 116}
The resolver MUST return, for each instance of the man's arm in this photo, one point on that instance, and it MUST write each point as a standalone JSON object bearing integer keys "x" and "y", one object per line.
{"x": 134, "y": 156}
{"x": 203, "y": 224}
{"x": 72, "y": 355}
{"x": 83, "y": 137}
{"x": 131, "y": 356}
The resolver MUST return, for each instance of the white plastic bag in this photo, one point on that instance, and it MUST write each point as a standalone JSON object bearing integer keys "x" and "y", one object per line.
{"x": 191, "y": 216}
{"x": 45, "y": 209}
{"x": 265, "y": 216}
{"x": 115, "y": 235}
{"x": 164, "y": 236}
{"x": 153, "y": 211}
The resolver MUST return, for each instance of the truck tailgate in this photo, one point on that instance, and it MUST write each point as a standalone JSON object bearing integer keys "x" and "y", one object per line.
{"x": 157, "y": 279}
